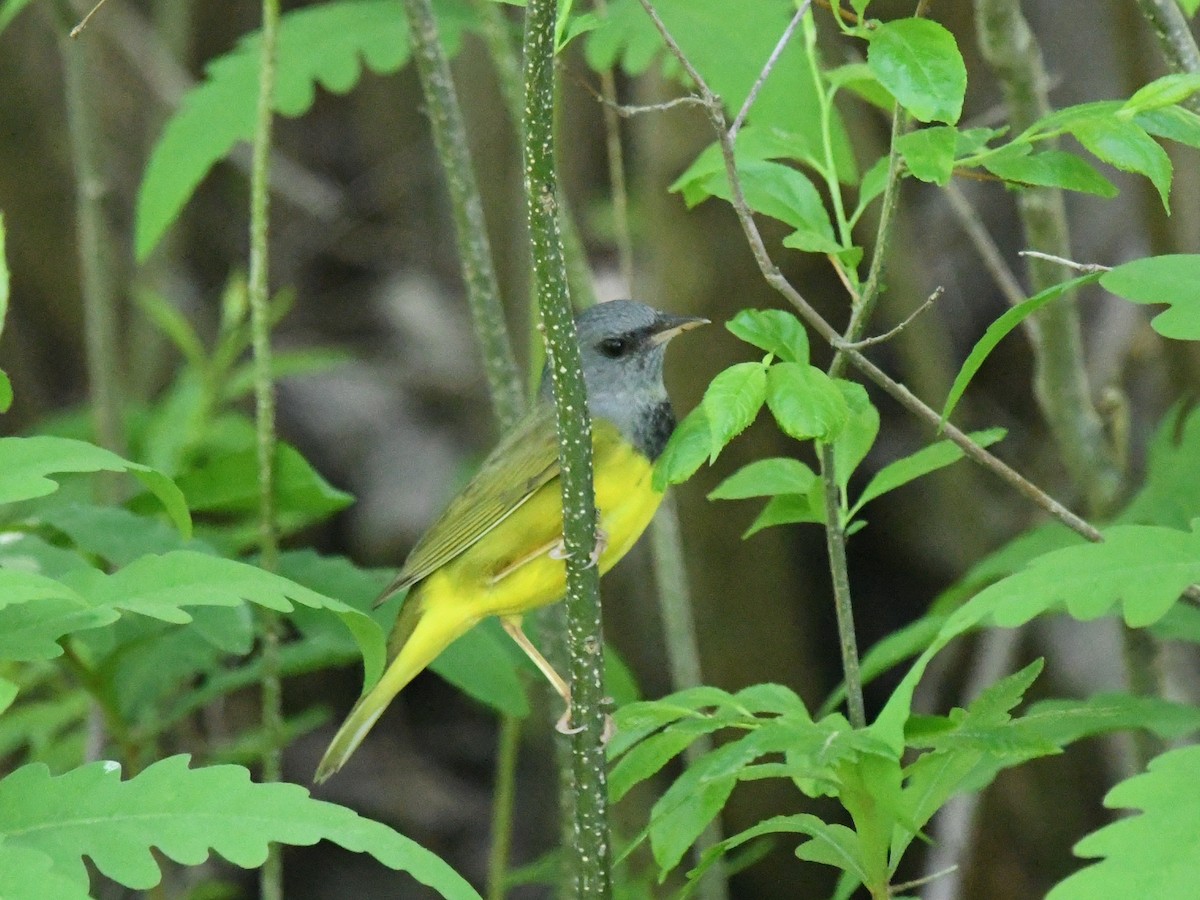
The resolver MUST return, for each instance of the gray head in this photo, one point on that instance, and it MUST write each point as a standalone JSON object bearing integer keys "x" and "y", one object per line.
{"x": 622, "y": 344}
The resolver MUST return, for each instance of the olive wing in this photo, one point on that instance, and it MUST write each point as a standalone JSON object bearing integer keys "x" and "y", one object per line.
{"x": 522, "y": 462}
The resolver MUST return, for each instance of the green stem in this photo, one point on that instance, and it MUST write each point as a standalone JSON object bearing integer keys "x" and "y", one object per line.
{"x": 835, "y": 540}
{"x": 1175, "y": 38}
{"x": 271, "y": 876}
{"x": 502, "y": 805}
{"x": 591, "y": 853}
{"x": 94, "y": 252}
{"x": 475, "y": 255}
{"x": 1060, "y": 377}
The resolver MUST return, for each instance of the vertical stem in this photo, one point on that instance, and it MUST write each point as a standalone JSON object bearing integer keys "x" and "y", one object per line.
{"x": 502, "y": 805}
{"x": 450, "y": 137}
{"x": 97, "y": 276}
{"x": 591, "y": 853}
{"x": 835, "y": 539}
{"x": 1060, "y": 378}
{"x": 271, "y": 876}
{"x": 683, "y": 663}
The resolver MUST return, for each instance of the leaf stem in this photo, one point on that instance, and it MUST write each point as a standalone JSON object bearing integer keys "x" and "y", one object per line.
{"x": 1174, "y": 39}
{"x": 502, "y": 805}
{"x": 591, "y": 853}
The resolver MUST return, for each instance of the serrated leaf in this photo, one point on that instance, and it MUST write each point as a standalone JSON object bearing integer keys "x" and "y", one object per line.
{"x": 998, "y": 330}
{"x": 732, "y": 402}
{"x": 1170, "y": 279}
{"x": 163, "y": 586}
{"x": 781, "y": 192}
{"x": 765, "y": 478}
{"x": 25, "y": 463}
{"x": 923, "y": 462}
{"x": 327, "y": 44}
{"x": 1125, "y": 145}
{"x": 637, "y": 720}
{"x": 918, "y": 61}
{"x": 116, "y": 535}
{"x": 688, "y": 449}
{"x": 186, "y": 814}
{"x": 1062, "y": 722}
{"x": 929, "y": 153}
{"x": 1170, "y": 494}
{"x": 774, "y": 330}
{"x": 805, "y": 402}
{"x": 35, "y": 611}
{"x": 790, "y": 509}
{"x": 1051, "y": 168}
{"x": 1165, "y": 91}
{"x": 1144, "y": 568}
{"x": 649, "y": 756}
{"x": 1173, "y": 123}
{"x": 1153, "y": 854}
{"x": 858, "y": 435}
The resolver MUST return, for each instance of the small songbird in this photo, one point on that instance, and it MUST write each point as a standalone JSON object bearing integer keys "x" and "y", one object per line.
{"x": 497, "y": 550}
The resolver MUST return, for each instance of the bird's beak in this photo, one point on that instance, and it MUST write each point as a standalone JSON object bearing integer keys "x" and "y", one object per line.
{"x": 669, "y": 326}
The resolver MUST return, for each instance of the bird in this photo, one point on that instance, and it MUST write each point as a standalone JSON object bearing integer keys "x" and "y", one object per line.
{"x": 497, "y": 549}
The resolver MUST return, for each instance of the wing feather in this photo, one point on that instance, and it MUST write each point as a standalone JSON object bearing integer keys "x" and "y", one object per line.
{"x": 522, "y": 462}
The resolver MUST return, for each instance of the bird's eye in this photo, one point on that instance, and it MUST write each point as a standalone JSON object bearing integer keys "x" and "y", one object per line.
{"x": 613, "y": 347}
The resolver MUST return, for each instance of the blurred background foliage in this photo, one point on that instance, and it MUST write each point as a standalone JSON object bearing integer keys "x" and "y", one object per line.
{"x": 390, "y": 405}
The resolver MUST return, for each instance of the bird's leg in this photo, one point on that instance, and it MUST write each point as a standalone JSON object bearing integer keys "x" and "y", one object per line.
{"x": 512, "y": 624}
{"x": 559, "y": 550}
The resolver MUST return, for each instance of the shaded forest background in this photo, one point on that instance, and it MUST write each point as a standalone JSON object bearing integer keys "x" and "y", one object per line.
{"x": 362, "y": 234}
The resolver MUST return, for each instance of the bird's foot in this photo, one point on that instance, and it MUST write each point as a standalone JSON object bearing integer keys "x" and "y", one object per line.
{"x": 559, "y": 550}
{"x": 563, "y": 725}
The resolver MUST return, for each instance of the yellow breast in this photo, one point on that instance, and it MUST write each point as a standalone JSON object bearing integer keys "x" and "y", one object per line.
{"x": 509, "y": 572}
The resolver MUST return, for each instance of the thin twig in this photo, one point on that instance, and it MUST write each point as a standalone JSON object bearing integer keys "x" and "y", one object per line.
{"x": 985, "y": 246}
{"x": 921, "y": 882}
{"x": 891, "y": 333}
{"x": 740, "y": 118}
{"x": 629, "y": 111}
{"x": 776, "y": 279}
{"x": 83, "y": 23}
{"x": 1086, "y": 268}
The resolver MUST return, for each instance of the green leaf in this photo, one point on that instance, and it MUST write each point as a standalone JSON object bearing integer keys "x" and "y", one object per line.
{"x": 9, "y": 10}
{"x": 1154, "y": 854}
{"x": 929, "y": 153}
{"x": 1170, "y": 494}
{"x": 915, "y": 465}
{"x": 688, "y": 448}
{"x": 805, "y": 402}
{"x": 327, "y": 45}
{"x": 1165, "y": 91}
{"x": 918, "y": 61}
{"x": 782, "y": 193}
{"x": 1144, "y": 568}
{"x": 1051, "y": 168}
{"x": 26, "y": 874}
{"x": 113, "y": 533}
{"x": 185, "y": 814}
{"x": 1173, "y": 123}
{"x": 858, "y": 436}
{"x": 732, "y": 402}
{"x": 227, "y": 483}
{"x": 1126, "y": 145}
{"x": 790, "y": 509}
{"x": 1170, "y": 279}
{"x": 286, "y": 364}
{"x": 649, "y": 756}
{"x": 1063, "y": 722}
{"x": 730, "y": 52}
{"x": 6, "y": 392}
{"x": 859, "y": 78}
{"x": 1189, "y": 6}
{"x": 774, "y": 330}
{"x": 754, "y": 143}
{"x": 765, "y": 478}
{"x": 833, "y": 845}
{"x": 998, "y": 330}
{"x": 36, "y": 611}
{"x": 25, "y": 462}
{"x": 163, "y": 586}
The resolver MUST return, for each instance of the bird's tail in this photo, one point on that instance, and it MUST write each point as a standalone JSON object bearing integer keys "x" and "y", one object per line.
{"x": 417, "y": 639}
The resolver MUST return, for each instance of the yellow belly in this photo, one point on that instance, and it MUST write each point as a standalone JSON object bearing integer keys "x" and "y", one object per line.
{"x": 490, "y": 578}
